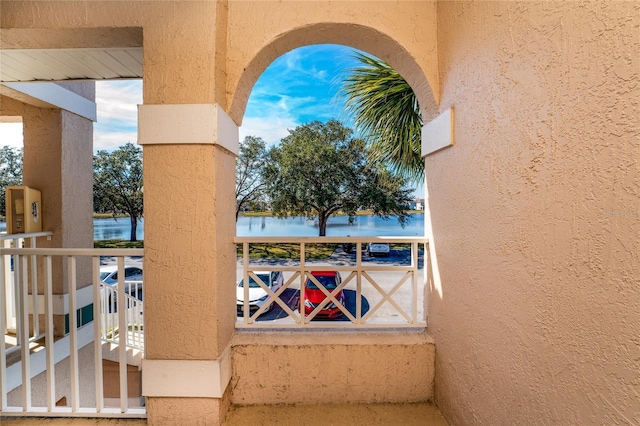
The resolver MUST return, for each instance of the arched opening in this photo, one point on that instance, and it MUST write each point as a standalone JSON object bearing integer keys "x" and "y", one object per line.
{"x": 377, "y": 44}
{"x": 360, "y": 37}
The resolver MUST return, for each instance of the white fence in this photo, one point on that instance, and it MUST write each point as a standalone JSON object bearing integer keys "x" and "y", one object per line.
{"x": 49, "y": 346}
{"x": 374, "y": 292}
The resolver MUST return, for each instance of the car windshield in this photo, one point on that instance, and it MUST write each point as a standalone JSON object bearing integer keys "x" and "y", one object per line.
{"x": 253, "y": 283}
{"x": 103, "y": 275}
{"x": 327, "y": 281}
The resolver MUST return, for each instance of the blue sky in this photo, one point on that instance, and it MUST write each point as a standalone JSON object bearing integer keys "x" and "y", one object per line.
{"x": 298, "y": 87}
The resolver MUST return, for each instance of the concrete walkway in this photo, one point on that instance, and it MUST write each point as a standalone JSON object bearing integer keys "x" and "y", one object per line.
{"x": 414, "y": 414}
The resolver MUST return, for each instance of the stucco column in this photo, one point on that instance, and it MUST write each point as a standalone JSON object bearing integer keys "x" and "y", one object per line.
{"x": 58, "y": 161}
{"x": 189, "y": 202}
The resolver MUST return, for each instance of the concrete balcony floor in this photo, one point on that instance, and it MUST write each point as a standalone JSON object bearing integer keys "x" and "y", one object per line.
{"x": 408, "y": 414}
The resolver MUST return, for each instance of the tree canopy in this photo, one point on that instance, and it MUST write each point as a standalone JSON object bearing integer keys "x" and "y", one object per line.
{"x": 386, "y": 111}
{"x": 117, "y": 183}
{"x": 320, "y": 170}
{"x": 10, "y": 171}
{"x": 249, "y": 167}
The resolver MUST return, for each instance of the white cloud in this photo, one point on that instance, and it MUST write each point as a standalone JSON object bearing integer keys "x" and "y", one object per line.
{"x": 117, "y": 103}
{"x": 11, "y": 135}
{"x": 110, "y": 141}
{"x": 270, "y": 129}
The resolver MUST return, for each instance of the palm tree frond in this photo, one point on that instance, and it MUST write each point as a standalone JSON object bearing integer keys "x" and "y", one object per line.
{"x": 387, "y": 114}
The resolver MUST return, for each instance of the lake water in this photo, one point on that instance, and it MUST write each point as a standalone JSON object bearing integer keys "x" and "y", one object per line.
{"x": 264, "y": 226}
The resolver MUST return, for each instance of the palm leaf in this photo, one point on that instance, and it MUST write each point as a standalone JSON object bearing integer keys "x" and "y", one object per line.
{"x": 387, "y": 115}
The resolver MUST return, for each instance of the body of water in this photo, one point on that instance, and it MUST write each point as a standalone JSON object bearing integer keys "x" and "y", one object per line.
{"x": 266, "y": 226}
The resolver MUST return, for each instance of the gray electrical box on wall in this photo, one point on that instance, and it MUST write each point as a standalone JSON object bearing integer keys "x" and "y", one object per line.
{"x": 23, "y": 210}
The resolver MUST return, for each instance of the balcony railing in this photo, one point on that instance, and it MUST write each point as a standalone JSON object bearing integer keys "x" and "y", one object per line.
{"x": 373, "y": 292}
{"x": 51, "y": 337}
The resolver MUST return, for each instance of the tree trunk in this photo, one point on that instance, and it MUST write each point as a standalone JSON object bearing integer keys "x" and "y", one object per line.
{"x": 322, "y": 225}
{"x": 134, "y": 228}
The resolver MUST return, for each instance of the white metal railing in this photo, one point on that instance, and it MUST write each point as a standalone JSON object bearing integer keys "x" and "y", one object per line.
{"x": 12, "y": 271}
{"x": 32, "y": 375}
{"x": 373, "y": 293}
{"x": 110, "y": 329}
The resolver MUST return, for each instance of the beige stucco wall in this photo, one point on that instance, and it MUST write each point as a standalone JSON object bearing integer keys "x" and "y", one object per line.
{"x": 317, "y": 367}
{"x": 187, "y": 271}
{"x": 536, "y": 214}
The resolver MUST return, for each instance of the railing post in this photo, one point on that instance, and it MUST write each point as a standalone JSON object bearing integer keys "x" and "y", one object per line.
{"x": 23, "y": 332}
{"x": 246, "y": 311}
{"x": 73, "y": 334}
{"x": 49, "y": 336}
{"x": 97, "y": 333}
{"x": 359, "y": 282}
{"x": 303, "y": 318}
{"x": 8, "y": 290}
{"x": 34, "y": 289}
{"x": 3, "y": 326}
{"x": 123, "y": 333}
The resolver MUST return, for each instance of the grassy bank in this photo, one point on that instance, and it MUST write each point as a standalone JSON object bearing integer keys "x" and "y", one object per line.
{"x": 117, "y": 243}
{"x": 109, "y": 215}
{"x": 256, "y": 251}
{"x": 288, "y": 251}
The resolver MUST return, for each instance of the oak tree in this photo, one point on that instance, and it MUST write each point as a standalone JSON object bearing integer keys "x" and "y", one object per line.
{"x": 320, "y": 170}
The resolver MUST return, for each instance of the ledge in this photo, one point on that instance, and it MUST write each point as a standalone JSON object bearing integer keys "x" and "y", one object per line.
{"x": 288, "y": 337}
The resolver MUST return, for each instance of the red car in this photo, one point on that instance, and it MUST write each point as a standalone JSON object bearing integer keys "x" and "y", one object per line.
{"x": 313, "y": 296}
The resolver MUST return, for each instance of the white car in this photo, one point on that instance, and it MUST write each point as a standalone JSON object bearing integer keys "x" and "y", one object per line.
{"x": 378, "y": 249}
{"x": 257, "y": 295}
{"x": 132, "y": 278}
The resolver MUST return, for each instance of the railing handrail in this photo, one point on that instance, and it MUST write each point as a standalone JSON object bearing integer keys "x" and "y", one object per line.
{"x": 5, "y": 236}
{"x": 330, "y": 240}
{"x": 73, "y": 251}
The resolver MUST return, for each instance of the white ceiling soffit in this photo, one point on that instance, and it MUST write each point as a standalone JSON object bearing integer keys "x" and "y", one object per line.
{"x": 70, "y": 64}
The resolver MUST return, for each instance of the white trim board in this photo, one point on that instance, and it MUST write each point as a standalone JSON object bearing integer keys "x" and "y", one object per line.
{"x": 186, "y": 378}
{"x": 438, "y": 133}
{"x": 187, "y": 124}
{"x": 58, "y": 97}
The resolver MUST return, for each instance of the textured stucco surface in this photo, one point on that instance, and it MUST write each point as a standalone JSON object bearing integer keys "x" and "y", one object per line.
{"x": 290, "y": 368}
{"x": 535, "y": 214}
{"x": 189, "y": 253}
{"x": 187, "y": 411}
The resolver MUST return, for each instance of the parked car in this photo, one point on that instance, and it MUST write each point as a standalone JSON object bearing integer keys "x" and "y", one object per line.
{"x": 257, "y": 294}
{"x": 132, "y": 278}
{"x": 313, "y": 296}
{"x": 378, "y": 249}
